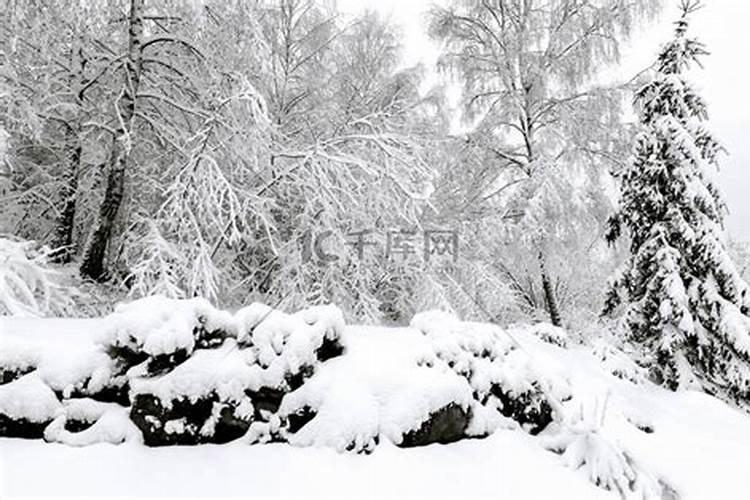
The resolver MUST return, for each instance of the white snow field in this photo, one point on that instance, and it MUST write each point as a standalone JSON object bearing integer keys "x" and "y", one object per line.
{"x": 577, "y": 430}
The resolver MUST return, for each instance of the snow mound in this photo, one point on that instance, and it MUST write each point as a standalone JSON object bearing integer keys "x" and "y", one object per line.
{"x": 287, "y": 345}
{"x": 28, "y": 398}
{"x": 83, "y": 422}
{"x": 440, "y": 380}
{"x": 389, "y": 383}
{"x": 502, "y": 374}
{"x": 27, "y": 406}
{"x": 69, "y": 360}
{"x": 157, "y": 327}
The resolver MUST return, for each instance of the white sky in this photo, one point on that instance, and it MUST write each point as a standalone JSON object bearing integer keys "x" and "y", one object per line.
{"x": 724, "y": 25}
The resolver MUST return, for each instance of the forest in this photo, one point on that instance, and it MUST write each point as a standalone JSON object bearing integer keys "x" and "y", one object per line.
{"x": 208, "y": 164}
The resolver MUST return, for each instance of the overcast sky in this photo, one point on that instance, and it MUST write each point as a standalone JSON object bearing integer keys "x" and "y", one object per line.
{"x": 723, "y": 25}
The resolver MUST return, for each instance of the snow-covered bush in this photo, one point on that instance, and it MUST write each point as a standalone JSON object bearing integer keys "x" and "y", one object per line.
{"x": 28, "y": 285}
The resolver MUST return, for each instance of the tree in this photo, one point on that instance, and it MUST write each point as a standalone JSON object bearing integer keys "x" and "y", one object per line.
{"x": 540, "y": 123}
{"x": 45, "y": 108}
{"x": 125, "y": 105}
{"x": 686, "y": 305}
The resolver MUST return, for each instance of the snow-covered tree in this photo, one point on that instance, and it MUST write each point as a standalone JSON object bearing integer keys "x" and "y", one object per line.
{"x": 686, "y": 304}
{"x": 543, "y": 129}
{"x": 28, "y": 285}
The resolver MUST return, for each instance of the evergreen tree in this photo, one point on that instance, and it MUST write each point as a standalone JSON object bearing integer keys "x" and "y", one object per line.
{"x": 686, "y": 304}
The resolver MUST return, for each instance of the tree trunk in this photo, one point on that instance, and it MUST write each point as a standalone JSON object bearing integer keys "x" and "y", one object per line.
{"x": 549, "y": 293}
{"x": 66, "y": 219}
{"x": 73, "y": 151}
{"x": 93, "y": 263}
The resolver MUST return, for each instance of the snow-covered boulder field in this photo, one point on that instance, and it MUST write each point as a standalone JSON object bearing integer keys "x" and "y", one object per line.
{"x": 328, "y": 400}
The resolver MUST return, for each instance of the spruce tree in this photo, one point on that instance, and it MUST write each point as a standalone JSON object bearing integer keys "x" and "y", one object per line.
{"x": 686, "y": 305}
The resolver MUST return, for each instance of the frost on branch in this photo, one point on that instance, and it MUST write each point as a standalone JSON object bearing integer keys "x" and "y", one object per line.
{"x": 28, "y": 286}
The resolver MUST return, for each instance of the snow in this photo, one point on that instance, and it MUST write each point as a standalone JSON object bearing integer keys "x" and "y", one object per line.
{"x": 505, "y": 465}
{"x": 28, "y": 398}
{"x": 66, "y": 356}
{"x": 110, "y": 424}
{"x": 387, "y": 384}
{"x": 286, "y": 343}
{"x": 631, "y": 437}
{"x": 28, "y": 286}
{"x": 158, "y": 325}
{"x": 269, "y": 346}
{"x": 225, "y": 371}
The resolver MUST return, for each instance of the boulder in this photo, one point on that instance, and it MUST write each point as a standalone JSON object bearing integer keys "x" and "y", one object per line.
{"x": 447, "y": 425}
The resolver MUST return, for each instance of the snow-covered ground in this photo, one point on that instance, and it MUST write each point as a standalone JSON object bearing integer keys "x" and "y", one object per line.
{"x": 504, "y": 465}
{"x": 694, "y": 445}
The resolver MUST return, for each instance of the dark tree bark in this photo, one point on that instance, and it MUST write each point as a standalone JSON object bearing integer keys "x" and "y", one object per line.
{"x": 73, "y": 149}
{"x": 549, "y": 293}
{"x": 93, "y": 263}
{"x": 66, "y": 219}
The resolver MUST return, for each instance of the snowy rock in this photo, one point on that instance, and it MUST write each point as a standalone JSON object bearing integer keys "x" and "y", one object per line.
{"x": 83, "y": 422}
{"x": 188, "y": 422}
{"x": 203, "y": 398}
{"x": 27, "y": 406}
{"x": 389, "y": 384}
{"x": 163, "y": 332}
{"x": 67, "y": 359}
{"x": 220, "y": 388}
{"x": 444, "y": 426}
{"x": 500, "y": 372}
{"x": 288, "y": 346}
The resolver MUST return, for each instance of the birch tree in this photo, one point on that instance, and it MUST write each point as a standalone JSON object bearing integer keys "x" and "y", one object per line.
{"x": 529, "y": 70}
{"x": 93, "y": 264}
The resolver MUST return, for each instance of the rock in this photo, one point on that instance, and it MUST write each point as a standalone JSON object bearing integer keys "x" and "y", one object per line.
{"x": 329, "y": 348}
{"x": 185, "y": 422}
{"x": 73, "y": 425}
{"x": 22, "y": 428}
{"x": 166, "y": 362}
{"x": 530, "y": 410}
{"x": 229, "y": 427}
{"x": 295, "y": 380}
{"x": 9, "y": 374}
{"x": 298, "y": 419}
{"x": 265, "y": 399}
{"x": 27, "y": 406}
{"x": 446, "y": 425}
